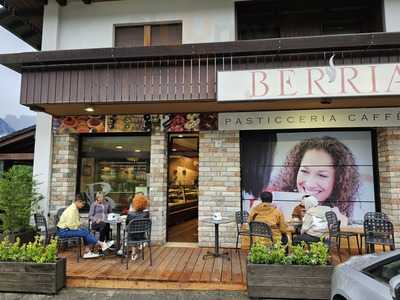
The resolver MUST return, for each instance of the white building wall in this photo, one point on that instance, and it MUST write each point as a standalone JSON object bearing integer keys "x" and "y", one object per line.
{"x": 392, "y": 15}
{"x": 43, "y": 137}
{"x": 92, "y": 26}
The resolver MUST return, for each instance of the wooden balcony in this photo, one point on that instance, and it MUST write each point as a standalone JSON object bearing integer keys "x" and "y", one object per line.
{"x": 184, "y": 78}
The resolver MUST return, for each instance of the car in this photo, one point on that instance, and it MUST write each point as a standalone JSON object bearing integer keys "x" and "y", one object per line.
{"x": 368, "y": 277}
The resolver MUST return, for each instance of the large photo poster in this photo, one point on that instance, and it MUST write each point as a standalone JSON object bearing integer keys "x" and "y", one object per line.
{"x": 334, "y": 166}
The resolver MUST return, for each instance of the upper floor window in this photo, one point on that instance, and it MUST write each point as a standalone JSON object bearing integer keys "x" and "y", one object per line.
{"x": 148, "y": 35}
{"x": 291, "y": 18}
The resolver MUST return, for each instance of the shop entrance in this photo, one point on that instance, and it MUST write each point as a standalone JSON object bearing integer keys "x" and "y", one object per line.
{"x": 183, "y": 174}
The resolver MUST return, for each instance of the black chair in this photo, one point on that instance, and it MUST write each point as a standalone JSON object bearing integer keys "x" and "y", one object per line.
{"x": 136, "y": 233}
{"x": 376, "y": 215}
{"x": 334, "y": 228}
{"x": 378, "y": 231}
{"x": 260, "y": 229}
{"x": 41, "y": 226}
{"x": 241, "y": 218}
{"x": 67, "y": 241}
{"x": 93, "y": 231}
{"x": 334, "y": 232}
{"x": 373, "y": 215}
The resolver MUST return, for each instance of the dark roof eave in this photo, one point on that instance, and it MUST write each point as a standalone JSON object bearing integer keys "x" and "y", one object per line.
{"x": 279, "y": 45}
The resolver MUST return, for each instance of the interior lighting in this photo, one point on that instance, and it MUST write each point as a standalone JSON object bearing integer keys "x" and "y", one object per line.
{"x": 118, "y": 147}
{"x": 89, "y": 109}
{"x": 138, "y": 150}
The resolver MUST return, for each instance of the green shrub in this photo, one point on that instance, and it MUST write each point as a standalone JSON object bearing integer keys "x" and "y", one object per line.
{"x": 318, "y": 254}
{"x": 18, "y": 198}
{"x": 31, "y": 252}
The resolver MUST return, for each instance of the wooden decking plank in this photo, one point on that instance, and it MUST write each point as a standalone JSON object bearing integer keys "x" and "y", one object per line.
{"x": 143, "y": 265}
{"x": 181, "y": 265}
{"x": 187, "y": 271}
{"x": 236, "y": 269}
{"x": 156, "y": 273}
{"x": 216, "y": 273}
{"x": 227, "y": 267}
{"x": 198, "y": 268}
{"x": 170, "y": 268}
{"x": 207, "y": 270}
{"x": 151, "y": 270}
{"x": 243, "y": 258}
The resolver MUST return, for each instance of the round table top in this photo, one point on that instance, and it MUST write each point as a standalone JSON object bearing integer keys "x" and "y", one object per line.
{"x": 222, "y": 221}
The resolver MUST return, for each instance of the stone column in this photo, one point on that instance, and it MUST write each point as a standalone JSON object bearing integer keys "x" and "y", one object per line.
{"x": 158, "y": 186}
{"x": 64, "y": 171}
{"x": 219, "y": 184}
{"x": 389, "y": 175}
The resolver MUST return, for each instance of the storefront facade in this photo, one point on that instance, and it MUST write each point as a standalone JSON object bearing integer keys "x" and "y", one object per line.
{"x": 168, "y": 85}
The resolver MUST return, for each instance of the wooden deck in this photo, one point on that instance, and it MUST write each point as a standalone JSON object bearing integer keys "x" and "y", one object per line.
{"x": 173, "y": 268}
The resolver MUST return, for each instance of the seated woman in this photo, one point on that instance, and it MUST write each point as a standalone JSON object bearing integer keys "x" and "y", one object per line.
{"x": 315, "y": 225}
{"x": 138, "y": 210}
{"x": 98, "y": 214}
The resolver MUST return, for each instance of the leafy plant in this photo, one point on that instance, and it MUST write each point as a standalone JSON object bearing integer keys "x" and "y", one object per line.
{"x": 18, "y": 198}
{"x": 317, "y": 254}
{"x": 31, "y": 252}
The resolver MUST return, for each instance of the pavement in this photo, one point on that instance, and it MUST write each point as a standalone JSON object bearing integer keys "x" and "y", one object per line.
{"x": 82, "y": 293}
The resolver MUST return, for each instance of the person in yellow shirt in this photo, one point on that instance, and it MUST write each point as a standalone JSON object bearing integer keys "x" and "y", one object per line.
{"x": 69, "y": 226}
{"x": 267, "y": 213}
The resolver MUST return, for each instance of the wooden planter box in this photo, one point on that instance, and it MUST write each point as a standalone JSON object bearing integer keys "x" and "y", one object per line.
{"x": 27, "y": 277}
{"x": 288, "y": 281}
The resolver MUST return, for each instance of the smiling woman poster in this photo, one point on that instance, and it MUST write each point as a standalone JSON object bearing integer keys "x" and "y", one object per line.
{"x": 334, "y": 166}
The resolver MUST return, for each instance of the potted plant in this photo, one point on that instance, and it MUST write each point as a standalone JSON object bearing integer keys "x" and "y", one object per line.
{"x": 304, "y": 274}
{"x": 31, "y": 268}
{"x": 18, "y": 199}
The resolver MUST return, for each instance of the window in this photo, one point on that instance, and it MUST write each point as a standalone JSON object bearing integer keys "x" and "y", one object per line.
{"x": 148, "y": 35}
{"x": 290, "y": 18}
{"x": 117, "y": 165}
{"x": 385, "y": 270}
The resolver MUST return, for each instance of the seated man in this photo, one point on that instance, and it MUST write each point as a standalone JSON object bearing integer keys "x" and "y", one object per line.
{"x": 265, "y": 212}
{"x": 69, "y": 226}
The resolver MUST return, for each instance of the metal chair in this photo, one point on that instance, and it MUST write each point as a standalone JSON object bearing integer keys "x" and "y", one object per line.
{"x": 62, "y": 241}
{"x": 241, "y": 218}
{"x": 41, "y": 226}
{"x": 334, "y": 232}
{"x": 260, "y": 229}
{"x": 378, "y": 232}
{"x": 334, "y": 228}
{"x": 137, "y": 232}
{"x": 376, "y": 215}
{"x": 373, "y": 215}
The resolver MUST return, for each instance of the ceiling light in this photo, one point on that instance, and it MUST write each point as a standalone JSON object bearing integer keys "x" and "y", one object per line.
{"x": 181, "y": 135}
{"x": 173, "y": 149}
{"x": 138, "y": 150}
{"x": 118, "y": 147}
{"x": 89, "y": 109}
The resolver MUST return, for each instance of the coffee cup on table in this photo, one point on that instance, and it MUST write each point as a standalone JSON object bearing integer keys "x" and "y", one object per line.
{"x": 217, "y": 216}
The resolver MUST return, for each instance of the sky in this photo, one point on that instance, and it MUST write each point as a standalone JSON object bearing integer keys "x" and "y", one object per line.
{"x": 10, "y": 81}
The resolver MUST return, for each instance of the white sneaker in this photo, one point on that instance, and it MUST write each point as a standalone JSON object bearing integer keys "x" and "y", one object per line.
{"x": 134, "y": 257}
{"x": 106, "y": 245}
{"x": 90, "y": 255}
{"x": 119, "y": 252}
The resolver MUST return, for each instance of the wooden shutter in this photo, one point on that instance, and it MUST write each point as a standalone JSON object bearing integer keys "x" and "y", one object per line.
{"x": 129, "y": 36}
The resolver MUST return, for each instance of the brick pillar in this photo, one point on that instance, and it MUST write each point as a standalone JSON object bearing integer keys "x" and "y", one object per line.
{"x": 158, "y": 186}
{"x": 389, "y": 175}
{"x": 63, "y": 171}
{"x": 219, "y": 184}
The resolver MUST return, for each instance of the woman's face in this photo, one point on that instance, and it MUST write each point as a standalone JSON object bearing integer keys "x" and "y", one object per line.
{"x": 100, "y": 199}
{"x": 316, "y": 175}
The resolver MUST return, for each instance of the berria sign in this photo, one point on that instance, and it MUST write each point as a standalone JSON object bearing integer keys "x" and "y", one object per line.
{"x": 312, "y": 82}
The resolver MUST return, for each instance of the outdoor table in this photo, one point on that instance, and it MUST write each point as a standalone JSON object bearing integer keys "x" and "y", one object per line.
{"x": 358, "y": 231}
{"x": 118, "y": 222}
{"x": 216, "y": 252}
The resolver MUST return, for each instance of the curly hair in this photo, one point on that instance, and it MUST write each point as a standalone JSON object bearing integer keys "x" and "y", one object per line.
{"x": 346, "y": 171}
{"x": 139, "y": 202}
